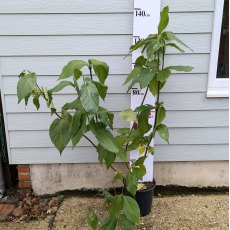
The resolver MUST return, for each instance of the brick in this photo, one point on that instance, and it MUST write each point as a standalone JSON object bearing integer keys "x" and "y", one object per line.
{"x": 17, "y": 212}
{"x": 24, "y": 184}
{"x": 6, "y": 211}
{"x": 23, "y": 176}
{"x": 1, "y": 206}
{"x": 24, "y": 191}
{"x": 24, "y": 168}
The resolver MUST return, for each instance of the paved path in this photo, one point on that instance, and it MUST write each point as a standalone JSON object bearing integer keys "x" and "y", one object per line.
{"x": 190, "y": 212}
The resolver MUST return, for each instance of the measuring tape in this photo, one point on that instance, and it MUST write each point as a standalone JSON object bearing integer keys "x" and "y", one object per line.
{"x": 145, "y": 21}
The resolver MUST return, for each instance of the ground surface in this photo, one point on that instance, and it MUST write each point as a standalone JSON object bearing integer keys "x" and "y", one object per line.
{"x": 180, "y": 212}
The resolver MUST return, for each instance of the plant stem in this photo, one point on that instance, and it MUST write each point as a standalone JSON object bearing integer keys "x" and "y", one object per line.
{"x": 90, "y": 141}
{"x": 90, "y": 71}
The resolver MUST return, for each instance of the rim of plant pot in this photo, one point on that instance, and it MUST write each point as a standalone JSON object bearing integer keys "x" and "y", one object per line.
{"x": 148, "y": 189}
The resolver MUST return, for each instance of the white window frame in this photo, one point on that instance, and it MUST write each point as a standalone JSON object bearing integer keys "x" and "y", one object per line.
{"x": 217, "y": 87}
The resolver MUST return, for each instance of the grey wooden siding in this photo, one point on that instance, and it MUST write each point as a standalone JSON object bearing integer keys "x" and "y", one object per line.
{"x": 43, "y": 35}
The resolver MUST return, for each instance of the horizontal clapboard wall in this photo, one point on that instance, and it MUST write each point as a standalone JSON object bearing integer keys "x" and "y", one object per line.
{"x": 50, "y": 33}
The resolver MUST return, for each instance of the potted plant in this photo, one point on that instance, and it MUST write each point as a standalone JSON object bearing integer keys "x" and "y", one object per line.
{"x": 77, "y": 118}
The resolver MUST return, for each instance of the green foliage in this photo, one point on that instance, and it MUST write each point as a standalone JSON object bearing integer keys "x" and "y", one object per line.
{"x": 85, "y": 114}
{"x": 26, "y": 83}
{"x": 92, "y": 219}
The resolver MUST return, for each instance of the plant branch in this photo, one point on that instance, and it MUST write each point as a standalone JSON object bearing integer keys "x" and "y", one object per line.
{"x": 90, "y": 141}
{"x": 90, "y": 71}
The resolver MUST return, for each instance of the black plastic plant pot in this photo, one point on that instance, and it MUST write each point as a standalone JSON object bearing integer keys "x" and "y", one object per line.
{"x": 144, "y": 198}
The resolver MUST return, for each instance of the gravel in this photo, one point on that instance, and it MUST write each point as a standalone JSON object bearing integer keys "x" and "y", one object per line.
{"x": 181, "y": 212}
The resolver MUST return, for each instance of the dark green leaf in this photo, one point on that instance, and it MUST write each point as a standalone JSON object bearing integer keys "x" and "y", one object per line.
{"x": 102, "y": 89}
{"x": 61, "y": 86}
{"x": 78, "y": 121}
{"x": 125, "y": 224}
{"x": 89, "y": 98}
{"x": 151, "y": 149}
{"x": 143, "y": 118}
{"x": 144, "y": 108}
{"x": 25, "y": 85}
{"x": 139, "y": 172}
{"x": 153, "y": 48}
{"x": 131, "y": 183}
{"x": 105, "y": 155}
{"x": 77, "y": 74}
{"x": 59, "y": 133}
{"x": 163, "y": 75}
{"x": 74, "y": 105}
{"x": 108, "y": 224}
{"x": 108, "y": 197}
{"x": 181, "y": 68}
{"x": 140, "y": 61}
{"x": 104, "y": 137}
{"x": 100, "y": 68}
{"x": 131, "y": 209}
{"x": 36, "y": 101}
{"x": 92, "y": 219}
{"x": 105, "y": 117}
{"x": 164, "y": 19}
{"x": 122, "y": 154}
{"x": 68, "y": 70}
{"x": 153, "y": 86}
{"x": 163, "y": 132}
{"x": 128, "y": 115}
{"x": 140, "y": 161}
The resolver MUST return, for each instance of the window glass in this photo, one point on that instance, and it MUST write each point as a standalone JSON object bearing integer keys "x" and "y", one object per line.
{"x": 223, "y": 60}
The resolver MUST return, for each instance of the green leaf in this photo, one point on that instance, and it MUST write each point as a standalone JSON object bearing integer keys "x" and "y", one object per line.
{"x": 77, "y": 74}
{"x": 144, "y": 108}
{"x": 25, "y": 85}
{"x": 105, "y": 155}
{"x": 61, "y": 86}
{"x": 133, "y": 75}
{"x": 145, "y": 76}
{"x": 77, "y": 127}
{"x": 131, "y": 209}
{"x": 143, "y": 118}
{"x": 116, "y": 206}
{"x": 131, "y": 183}
{"x": 171, "y": 36}
{"x": 105, "y": 117}
{"x": 122, "y": 154}
{"x": 125, "y": 224}
{"x": 68, "y": 69}
{"x": 140, "y": 161}
{"x": 36, "y": 101}
{"x": 139, "y": 172}
{"x": 163, "y": 75}
{"x": 108, "y": 197}
{"x": 153, "y": 86}
{"x": 163, "y": 132}
{"x": 100, "y": 68}
{"x": 140, "y": 61}
{"x": 108, "y": 224}
{"x": 128, "y": 115}
{"x": 181, "y": 68}
{"x": 151, "y": 149}
{"x": 74, "y": 105}
{"x": 92, "y": 219}
{"x": 59, "y": 133}
{"x": 104, "y": 137}
{"x": 164, "y": 19}
{"x": 118, "y": 176}
{"x": 89, "y": 98}
{"x": 153, "y": 48}
{"x": 175, "y": 46}
{"x": 102, "y": 89}
{"x": 161, "y": 113}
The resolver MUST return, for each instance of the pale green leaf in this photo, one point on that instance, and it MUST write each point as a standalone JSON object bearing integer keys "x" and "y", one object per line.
{"x": 181, "y": 68}
{"x": 125, "y": 224}
{"x": 131, "y": 183}
{"x": 128, "y": 115}
{"x": 109, "y": 224}
{"x": 163, "y": 75}
{"x": 161, "y": 113}
{"x": 145, "y": 76}
{"x": 175, "y": 46}
{"x": 116, "y": 206}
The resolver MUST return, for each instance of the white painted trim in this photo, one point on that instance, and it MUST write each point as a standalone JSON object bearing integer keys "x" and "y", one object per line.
{"x": 216, "y": 87}
{"x": 4, "y": 116}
